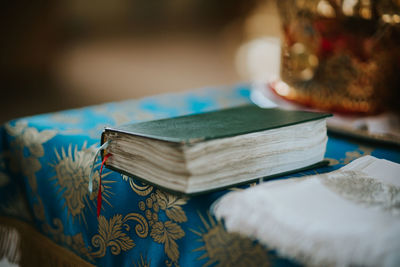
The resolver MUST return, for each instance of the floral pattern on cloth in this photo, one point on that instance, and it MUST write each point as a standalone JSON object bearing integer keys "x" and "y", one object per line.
{"x": 44, "y": 168}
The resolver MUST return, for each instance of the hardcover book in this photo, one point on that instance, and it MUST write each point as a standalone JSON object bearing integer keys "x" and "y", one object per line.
{"x": 203, "y": 152}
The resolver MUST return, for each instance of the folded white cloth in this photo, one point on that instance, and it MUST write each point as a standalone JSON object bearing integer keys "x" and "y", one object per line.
{"x": 347, "y": 217}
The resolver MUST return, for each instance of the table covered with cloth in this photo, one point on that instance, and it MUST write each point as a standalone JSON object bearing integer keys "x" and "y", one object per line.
{"x": 45, "y": 161}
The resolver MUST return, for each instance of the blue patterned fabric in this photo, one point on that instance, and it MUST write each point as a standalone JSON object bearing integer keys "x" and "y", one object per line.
{"x": 44, "y": 168}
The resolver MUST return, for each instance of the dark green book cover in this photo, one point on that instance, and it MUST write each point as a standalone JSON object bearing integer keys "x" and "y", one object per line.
{"x": 217, "y": 124}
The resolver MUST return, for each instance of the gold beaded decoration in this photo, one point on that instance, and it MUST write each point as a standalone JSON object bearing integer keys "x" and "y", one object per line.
{"x": 341, "y": 55}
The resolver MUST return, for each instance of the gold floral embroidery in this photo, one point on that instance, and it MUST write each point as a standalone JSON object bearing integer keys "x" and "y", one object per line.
{"x": 72, "y": 175}
{"x": 332, "y": 162}
{"x": 351, "y": 155}
{"x": 360, "y": 188}
{"x": 111, "y": 234}
{"x": 72, "y": 131}
{"x": 31, "y": 166}
{"x": 95, "y": 132}
{"x": 228, "y": 249}
{"x": 141, "y": 190}
{"x": 33, "y": 140}
{"x": 64, "y": 118}
{"x": 30, "y": 137}
{"x": 361, "y": 151}
{"x": 67, "y": 118}
{"x": 128, "y": 111}
{"x": 171, "y": 204}
{"x": 120, "y": 117}
{"x": 142, "y": 262}
{"x": 165, "y": 232}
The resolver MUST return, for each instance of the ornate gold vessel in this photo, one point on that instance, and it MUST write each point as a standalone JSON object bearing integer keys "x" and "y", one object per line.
{"x": 341, "y": 55}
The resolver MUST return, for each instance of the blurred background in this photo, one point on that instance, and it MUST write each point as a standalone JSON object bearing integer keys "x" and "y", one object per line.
{"x": 57, "y": 55}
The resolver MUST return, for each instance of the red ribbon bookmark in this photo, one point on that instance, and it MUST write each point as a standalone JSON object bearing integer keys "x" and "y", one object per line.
{"x": 99, "y": 197}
